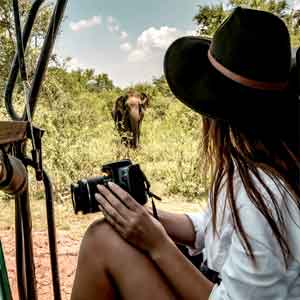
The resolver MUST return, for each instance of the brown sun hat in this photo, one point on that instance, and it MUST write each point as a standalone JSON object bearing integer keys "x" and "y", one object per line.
{"x": 242, "y": 75}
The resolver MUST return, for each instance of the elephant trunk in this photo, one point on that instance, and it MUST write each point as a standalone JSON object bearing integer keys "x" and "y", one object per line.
{"x": 135, "y": 119}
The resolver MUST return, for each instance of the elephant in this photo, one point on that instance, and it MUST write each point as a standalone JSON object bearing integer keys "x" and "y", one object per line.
{"x": 128, "y": 113}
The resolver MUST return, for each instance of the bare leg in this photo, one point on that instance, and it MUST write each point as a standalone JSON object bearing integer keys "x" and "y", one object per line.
{"x": 109, "y": 268}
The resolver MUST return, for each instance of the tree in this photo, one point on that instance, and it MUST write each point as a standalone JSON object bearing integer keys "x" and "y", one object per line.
{"x": 209, "y": 17}
{"x": 162, "y": 86}
{"x": 7, "y": 35}
{"x": 104, "y": 83}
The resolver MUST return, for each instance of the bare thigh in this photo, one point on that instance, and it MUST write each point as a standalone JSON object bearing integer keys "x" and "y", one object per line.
{"x": 110, "y": 268}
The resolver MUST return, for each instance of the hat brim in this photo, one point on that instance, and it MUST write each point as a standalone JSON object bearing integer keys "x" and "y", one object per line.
{"x": 186, "y": 66}
{"x": 195, "y": 82}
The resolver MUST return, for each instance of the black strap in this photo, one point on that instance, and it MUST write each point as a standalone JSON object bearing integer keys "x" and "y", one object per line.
{"x": 155, "y": 214}
{"x": 150, "y": 194}
{"x": 153, "y": 195}
{"x": 210, "y": 274}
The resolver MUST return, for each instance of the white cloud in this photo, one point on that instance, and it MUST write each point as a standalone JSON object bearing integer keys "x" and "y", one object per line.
{"x": 192, "y": 32}
{"x": 153, "y": 41}
{"x": 124, "y": 35}
{"x": 112, "y": 24}
{"x": 85, "y": 23}
{"x": 113, "y": 27}
{"x": 126, "y": 47}
{"x": 157, "y": 38}
{"x": 296, "y": 5}
{"x": 111, "y": 20}
{"x": 137, "y": 55}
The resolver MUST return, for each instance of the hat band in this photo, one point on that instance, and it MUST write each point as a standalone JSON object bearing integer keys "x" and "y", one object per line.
{"x": 260, "y": 85}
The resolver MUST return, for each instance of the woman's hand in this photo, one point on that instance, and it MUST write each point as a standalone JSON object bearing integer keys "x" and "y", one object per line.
{"x": 130, "y": 219}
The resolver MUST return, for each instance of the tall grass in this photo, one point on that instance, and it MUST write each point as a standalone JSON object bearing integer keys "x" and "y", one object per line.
{"x": 80, "y": 136}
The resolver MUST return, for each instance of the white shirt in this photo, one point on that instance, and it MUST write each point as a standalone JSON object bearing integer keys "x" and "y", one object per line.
{"x": 241, "y": 280}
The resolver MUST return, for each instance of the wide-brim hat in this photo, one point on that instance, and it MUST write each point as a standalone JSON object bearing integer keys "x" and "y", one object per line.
{"x": 241, "y": 75}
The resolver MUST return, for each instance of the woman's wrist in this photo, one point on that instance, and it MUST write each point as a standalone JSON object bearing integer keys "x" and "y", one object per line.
{"x": 178, "y": 226}
{"x": 161, "y": 248}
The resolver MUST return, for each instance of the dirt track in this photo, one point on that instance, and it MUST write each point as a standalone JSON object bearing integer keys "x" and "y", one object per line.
{"x": 68, "y": 242}
{"x": 67, "y": 257}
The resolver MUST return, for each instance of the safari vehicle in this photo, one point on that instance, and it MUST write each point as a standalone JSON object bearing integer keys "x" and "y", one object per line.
{"x": 14, "y": 136}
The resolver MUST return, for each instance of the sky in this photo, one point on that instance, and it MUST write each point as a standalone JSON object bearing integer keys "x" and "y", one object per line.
{"x": 125, "y": 39}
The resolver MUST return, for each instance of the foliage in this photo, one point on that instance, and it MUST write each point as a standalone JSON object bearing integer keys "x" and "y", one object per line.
{"x": 162, "y": 86}
{"x": 79, "y": 132}
{"x": 75, "y": 110}
{"x": 209, "y": 17}
{"x": 83, "y": 137}
{"x": 146, "y": 88}
{"x": 7, "y": 35}
{"x": 104, "y": 83}
{"x": 88, "y": 78}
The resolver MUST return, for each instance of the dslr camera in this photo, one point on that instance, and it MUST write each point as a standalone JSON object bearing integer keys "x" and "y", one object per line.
{"x": 123, "y": 173}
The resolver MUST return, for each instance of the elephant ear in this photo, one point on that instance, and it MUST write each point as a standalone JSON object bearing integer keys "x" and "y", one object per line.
{"x": 145, "y": 100}
{"x": 119, "y": 108}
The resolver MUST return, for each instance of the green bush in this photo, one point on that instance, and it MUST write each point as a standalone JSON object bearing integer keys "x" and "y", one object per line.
{"x": 80, "y": 136}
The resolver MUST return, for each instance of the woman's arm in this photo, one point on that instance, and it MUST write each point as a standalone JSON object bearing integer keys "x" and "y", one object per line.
{"x": 139, "y": 228}
{"x": 178, "y": 226}
{"x": 186, "y": 280}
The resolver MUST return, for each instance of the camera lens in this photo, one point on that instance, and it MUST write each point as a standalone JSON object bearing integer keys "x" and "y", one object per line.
{"x": 83, "y": 194}
{"x": 82, "y": 198}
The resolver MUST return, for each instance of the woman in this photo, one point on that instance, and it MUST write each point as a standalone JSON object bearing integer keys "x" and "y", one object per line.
{"x": 250, "y": 231}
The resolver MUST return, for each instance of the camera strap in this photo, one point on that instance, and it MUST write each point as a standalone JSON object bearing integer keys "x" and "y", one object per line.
{"x": 150, "y": 194}
{"x": 154, "y": 210}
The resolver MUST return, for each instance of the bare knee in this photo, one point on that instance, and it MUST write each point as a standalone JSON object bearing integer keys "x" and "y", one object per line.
{"x": 104, "y": 251}
{"x": 98, "y": 230}
{"x": 100, "y": 238}
{"x": 102, "y": 244}
{"x": 92, "y": 280}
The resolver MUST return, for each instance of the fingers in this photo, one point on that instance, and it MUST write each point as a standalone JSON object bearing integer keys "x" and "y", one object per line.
{"x": 116, "y": 203}
{"x": 112, "y": 222}
{"x": 124, "y": 196}
{"x": 121, "y": 210}
{"x": 110, "y": 213}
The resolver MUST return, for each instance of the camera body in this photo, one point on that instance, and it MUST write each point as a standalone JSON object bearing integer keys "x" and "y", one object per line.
{"x": 123, "y": 173}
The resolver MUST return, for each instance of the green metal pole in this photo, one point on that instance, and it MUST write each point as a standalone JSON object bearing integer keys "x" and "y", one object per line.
{"x": 5, "y": 293}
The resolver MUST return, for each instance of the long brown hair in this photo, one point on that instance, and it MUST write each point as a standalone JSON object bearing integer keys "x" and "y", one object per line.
{"x": 228, "y": 150}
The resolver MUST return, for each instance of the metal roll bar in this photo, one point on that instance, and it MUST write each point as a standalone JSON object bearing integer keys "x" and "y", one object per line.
{"x": 24, "y": 249}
